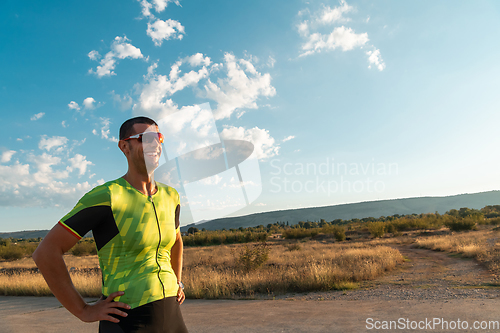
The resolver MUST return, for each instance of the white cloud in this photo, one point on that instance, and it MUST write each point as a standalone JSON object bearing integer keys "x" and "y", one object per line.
{"x": 164, "y": 30}
{"x": 74, "y": 106}
{"x": 240, "y": 89}
{"x": 89, "y": 103}
{"x": 124, "y": 103}
{"x": 63, "y": 123}
{"x": 288, "y": 138}
{"x": 332, "y": 15}
{"x": 120, "y": 49}
{"x": 159, "y": 6}
{"x": 271, "y": 61}
{"x": 40, "y": 182}
{"x": 105, "y": 132}
{"x": 79, "y": 162}
{"x": 316, "y": 39}
{"x": 198, "y": 59}
{"x": 37, "y": 116}
{"x": 303, "y": 28}
{"x": 154, "y": 96}
{"x": 47, "y": 143}
{"x": 374, "y": 58}
{"x": 7, "y": 155}
{"x": 94, "y": 55}
{"x": 340, "y": 37}
{"x": 264, "y": 144}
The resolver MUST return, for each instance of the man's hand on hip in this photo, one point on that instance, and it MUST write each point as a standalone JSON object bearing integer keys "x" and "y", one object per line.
{"x": 102, "y": 309}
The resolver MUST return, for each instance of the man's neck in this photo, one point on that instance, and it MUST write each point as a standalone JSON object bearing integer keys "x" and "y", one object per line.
{"x": 142, "y": 183}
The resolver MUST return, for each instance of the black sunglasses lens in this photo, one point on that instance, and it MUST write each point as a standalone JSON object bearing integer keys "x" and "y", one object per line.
{"x": 148, "y": 137}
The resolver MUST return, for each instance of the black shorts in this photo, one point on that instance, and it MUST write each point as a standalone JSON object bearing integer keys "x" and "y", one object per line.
{"x": 162, "y": 316}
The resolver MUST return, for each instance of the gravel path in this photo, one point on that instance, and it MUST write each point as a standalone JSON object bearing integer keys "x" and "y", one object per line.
{"x": 426, "y": 275}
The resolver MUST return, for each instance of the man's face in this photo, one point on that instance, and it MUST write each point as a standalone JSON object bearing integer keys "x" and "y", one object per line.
{"x": 146, "y": 154}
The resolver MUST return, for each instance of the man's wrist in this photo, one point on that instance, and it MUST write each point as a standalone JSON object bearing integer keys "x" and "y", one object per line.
{"x": 181, "y": 285}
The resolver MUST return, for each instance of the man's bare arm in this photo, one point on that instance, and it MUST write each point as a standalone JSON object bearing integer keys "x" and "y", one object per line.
{"x": 176, "y": 257}
{"x": 49, "y": 259}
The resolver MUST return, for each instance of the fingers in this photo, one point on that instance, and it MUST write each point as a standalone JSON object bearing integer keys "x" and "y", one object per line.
{"x": 180, "y": 296}
{"x": 111, "y": 319}
{"x": 120, "y": 305}
{"x": 113, "y": 295}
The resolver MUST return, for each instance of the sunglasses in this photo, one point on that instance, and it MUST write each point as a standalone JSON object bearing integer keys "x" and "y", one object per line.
{"x": 147, "y": 137}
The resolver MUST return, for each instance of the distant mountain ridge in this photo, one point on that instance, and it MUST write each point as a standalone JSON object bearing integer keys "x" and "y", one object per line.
{"x": 356, "y": 210}
{"x": 330, "y": 213}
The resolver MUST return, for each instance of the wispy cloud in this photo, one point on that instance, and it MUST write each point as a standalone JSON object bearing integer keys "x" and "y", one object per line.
{"x": 80, "y": 163}
{"x": 241, "y": 87}
{"x": 264, "y": 145}
{"x": 123, "y": 102}
{"x": 104, "y": 130}
{"x": 288, "y": 138}
{"x": 74, "y": 106}
{"x": 7, "y": 156}
{"x": 374, "y": 58}
{"x": 316, "y": 39}
{"x": 158, "y": 5}
{"x": 155, "y": 94}
{"x": 164, "y": 30}
{"x": 48, "y": 143}
{"x": 37, "y": 116}
{"x": 120, "y": 49}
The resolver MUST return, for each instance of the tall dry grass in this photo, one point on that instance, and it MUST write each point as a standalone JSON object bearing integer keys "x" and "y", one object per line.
{"x": 481, "y": 245}
{"x": 19, "y": 277}
{"x": 33, "y": 284}
{"x": 214, "y": 273}
{"x": 217, "y": 271}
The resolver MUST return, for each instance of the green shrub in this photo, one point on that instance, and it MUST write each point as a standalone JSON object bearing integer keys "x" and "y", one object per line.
{"x": 84, "y": 248}
{"x": 461, "y": 224}
{"x": 11, "y": 252}
{"x": 252, "y": 258}
{"x": 376, "y": 229}
{"x": 298, "y": 233}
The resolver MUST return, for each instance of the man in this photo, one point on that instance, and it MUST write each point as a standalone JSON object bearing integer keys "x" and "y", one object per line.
{"x": 135, "y": 223}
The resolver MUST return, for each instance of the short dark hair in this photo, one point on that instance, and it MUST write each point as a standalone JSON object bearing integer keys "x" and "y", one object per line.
{"x": 126, "y": 127}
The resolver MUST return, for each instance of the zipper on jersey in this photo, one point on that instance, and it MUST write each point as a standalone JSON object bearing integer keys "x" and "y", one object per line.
{"x": 158, "y": 247}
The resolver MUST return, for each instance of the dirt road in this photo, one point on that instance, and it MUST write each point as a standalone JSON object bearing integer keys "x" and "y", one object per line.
{"x": 430, "y": 286}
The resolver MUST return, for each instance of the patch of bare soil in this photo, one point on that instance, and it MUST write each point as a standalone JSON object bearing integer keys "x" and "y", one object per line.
{"x": 425, "y": 275}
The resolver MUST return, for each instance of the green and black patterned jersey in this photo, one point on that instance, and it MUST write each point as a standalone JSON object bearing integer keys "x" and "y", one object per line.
{"x": 134, "y": 234}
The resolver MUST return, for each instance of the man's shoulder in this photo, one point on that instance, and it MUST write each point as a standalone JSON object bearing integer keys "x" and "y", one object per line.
{"x": 101, "y": 193}
{"x": 166, "y": 188}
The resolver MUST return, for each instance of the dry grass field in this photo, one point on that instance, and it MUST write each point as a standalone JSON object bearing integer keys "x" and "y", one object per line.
{"x": 278, "y": 266}
{"x": 239, "y": 270}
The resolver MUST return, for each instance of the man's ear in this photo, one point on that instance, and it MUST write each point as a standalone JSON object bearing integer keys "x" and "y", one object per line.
{"x": 123, "y": 147}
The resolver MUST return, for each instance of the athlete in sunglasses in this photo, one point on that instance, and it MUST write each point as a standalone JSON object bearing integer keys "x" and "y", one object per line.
{"x": 135, "y": 224}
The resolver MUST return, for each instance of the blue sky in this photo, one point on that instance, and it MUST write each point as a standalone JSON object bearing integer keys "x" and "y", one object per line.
{"x": 343, "y": 101}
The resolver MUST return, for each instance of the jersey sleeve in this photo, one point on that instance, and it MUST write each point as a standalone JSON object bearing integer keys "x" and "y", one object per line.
{"x": 93, "y": 208}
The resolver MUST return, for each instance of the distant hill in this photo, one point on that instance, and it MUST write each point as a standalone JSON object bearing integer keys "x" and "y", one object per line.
{"x": 24, "y": 234}
{"x": 30, "y": 234}
{"x": 356, "y": 210}
{"x": 329, "y": 213}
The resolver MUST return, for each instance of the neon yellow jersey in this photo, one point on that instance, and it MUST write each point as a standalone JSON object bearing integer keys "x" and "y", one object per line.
{"x": 134, "y": 234}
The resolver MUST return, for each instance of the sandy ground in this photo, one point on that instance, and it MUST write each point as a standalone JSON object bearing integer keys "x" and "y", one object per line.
{"x": 44, "y": 314}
